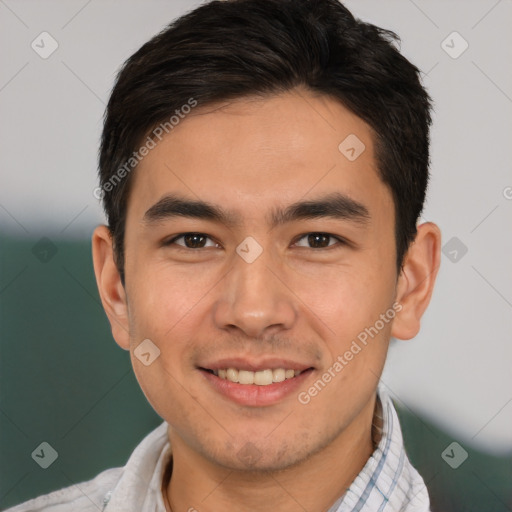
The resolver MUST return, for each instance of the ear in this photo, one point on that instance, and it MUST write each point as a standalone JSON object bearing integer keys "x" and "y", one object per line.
{"x": 110, "y": 287}
{"x": 416, "y": 280}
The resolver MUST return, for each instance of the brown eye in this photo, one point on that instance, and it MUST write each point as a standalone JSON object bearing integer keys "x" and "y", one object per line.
{"x": 319, "y": 240}
{"x": 192, "y": 240}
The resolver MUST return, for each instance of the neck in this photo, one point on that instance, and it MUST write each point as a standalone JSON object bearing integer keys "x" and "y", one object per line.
{"x": 199, "y": 484}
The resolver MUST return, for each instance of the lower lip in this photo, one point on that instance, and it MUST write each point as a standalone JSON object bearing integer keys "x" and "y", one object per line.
{"x": 254, "y": 395}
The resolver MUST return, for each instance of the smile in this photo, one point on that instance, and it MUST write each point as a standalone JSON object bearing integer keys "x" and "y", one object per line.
{"x": 256, "y": 388}
{"x": 260, "y": 378}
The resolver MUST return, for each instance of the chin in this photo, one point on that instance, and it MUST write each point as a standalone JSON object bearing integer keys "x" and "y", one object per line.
{"x": 260, "y": 458}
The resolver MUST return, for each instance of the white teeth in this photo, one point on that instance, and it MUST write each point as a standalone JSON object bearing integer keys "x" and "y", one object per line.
{"x": 279, "y": 375}
{"x": 245, "y": 377}
{"x": 260, "y": 378}
{"x": 232, "y": 374}
{"x": 263, "y": 378}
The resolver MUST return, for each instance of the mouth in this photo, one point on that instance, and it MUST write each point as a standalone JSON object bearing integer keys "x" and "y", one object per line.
{"x": 256, "y": 387}
{"x": 260, "y": 378}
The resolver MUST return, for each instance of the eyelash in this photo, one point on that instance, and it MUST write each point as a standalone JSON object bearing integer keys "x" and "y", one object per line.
{"x": 341, "y": 241}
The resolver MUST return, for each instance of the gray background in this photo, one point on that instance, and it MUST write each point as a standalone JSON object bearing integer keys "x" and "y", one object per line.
{"x": 457, "y": 371}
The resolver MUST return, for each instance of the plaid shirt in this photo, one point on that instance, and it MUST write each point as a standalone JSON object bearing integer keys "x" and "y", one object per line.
{"x": 387, "y": 483}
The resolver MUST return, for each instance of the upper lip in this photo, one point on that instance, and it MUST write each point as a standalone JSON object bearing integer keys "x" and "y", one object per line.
{"x": 253, "y": 365}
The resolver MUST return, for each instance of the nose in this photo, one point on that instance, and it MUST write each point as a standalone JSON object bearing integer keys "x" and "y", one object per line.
{"x": 255, "y": 299}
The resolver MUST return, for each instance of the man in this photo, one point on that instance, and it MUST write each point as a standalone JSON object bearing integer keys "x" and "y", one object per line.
{"x": 263, "y": 167}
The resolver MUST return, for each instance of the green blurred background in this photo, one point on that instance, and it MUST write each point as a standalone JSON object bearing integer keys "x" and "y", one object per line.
{"x": 64, "y": 380}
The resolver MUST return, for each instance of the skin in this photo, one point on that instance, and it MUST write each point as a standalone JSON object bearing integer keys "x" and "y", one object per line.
{"x": 296, "y": 300}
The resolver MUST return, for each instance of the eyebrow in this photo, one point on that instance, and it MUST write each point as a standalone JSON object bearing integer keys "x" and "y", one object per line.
{"x": 334, "y": 205}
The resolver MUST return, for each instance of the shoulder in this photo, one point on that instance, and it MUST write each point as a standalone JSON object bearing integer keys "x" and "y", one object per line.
{"x": 80, "y": 497}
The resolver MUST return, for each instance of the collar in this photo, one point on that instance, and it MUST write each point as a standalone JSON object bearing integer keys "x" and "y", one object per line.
{"x": 388, "y": 481}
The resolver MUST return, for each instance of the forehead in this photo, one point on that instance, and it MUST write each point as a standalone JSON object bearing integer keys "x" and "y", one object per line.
{"x": 258, "y": 151}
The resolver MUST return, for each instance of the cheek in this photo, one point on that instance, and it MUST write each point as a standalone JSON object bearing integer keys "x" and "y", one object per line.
{"x": 347, "y": 299}
{"x": 163, "y": 299}
{"x": 162, "y": 311}
{"x": 164, "y": 387}
{"x": 350, "y": 302}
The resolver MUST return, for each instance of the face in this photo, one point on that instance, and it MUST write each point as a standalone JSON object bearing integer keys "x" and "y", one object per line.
{"x": 287, "y": 266}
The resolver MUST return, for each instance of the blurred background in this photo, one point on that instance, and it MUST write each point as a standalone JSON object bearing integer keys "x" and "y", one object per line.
{"x": 64, "y": 381}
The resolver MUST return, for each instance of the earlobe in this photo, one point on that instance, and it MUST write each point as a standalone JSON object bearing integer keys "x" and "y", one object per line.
{"x": 417, "y": 279}
{"x": 110, "y": 287}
